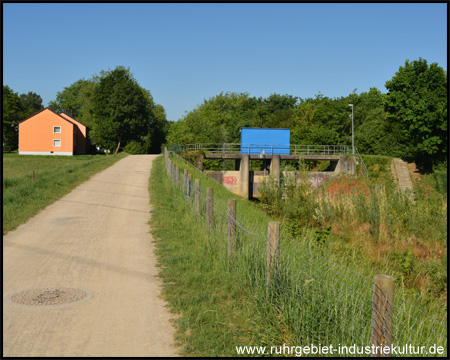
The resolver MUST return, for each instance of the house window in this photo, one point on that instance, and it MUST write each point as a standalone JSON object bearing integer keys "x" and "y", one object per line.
{"x": 56, "y": 143}
{"x": 56, "y": 129}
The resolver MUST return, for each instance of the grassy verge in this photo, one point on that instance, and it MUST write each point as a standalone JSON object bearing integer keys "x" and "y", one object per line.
{"x": 215, "y": 306}
{"x": 225, "y": 302}
{"x": 54, "y": 177}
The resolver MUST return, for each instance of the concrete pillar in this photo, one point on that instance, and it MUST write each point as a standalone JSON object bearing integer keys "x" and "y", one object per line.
{"x": 275, "y": 168}
{"x": 244, "y": 175}
{"x": 346, "y": 165}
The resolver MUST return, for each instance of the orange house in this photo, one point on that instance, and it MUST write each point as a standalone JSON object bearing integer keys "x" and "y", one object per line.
{"x": 48, "y": 133}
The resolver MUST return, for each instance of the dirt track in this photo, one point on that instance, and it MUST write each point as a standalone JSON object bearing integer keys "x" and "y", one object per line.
{"x": 95, "y": 239}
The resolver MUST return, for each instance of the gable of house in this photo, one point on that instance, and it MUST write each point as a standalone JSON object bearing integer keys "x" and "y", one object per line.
{"x": 46, "y": 133}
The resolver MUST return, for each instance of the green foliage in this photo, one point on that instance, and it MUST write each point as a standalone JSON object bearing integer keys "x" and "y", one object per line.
{"x": 193, "y": 157}
{"x": 114, "y": 106}
{"x": 15, "y": 109}
{"x": 31, "y": 104}
{"x": 409, "y": 121}
{"x": 321, "y": 236}
{"x": 310, "y": 292}
{"x": 12, "y": 112}
{"x": 135, "y": 147}
{"x": 416, "y": 104}
{"x": 405, "y": 260}
{"x": 120, "y": 110}
{"x": 440, "y": 182}
{"x": 437, "y": 271}
{"x": 76, "y": 100}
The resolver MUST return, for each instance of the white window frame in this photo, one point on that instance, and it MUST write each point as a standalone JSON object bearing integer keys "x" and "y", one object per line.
{"x": 56, "y": 140}
{"x": 54, "y": 128}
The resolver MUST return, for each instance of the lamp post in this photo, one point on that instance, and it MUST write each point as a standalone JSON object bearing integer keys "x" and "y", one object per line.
{"x": 353, "y": 139}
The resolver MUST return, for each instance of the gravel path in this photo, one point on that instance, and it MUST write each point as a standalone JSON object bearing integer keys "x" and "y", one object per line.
{"x": 79, "y": 279}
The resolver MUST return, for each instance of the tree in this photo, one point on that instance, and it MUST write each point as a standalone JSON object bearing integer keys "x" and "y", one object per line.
{"x": 121, "y": 110}
{"x": 158, "y": 130}
{"x": 31, "y": 104}
{"x": 12, "y": 114}
{"x": 416, "y": 107}
{"x": 77, "y": 100}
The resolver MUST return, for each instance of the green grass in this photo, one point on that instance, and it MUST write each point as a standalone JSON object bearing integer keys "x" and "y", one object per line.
{"x": 224, "y": 302}
{"x": 54, "y": 177}
{"x": 214, "y": 304}
{"x": 376, "y": 224}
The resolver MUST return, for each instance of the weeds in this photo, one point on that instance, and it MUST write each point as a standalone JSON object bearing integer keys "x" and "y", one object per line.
{"x": 312, "y": 297}
{"x": 377, "y": 218}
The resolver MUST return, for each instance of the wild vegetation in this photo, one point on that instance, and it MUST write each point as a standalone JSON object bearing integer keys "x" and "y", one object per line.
{"x": 343, "y": 228}
{"x": 32, "y": 182}
{"x": 321, "y": 293}
{"x": 372, "y": 221}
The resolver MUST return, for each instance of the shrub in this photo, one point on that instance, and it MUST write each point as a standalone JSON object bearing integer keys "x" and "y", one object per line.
{"x": 134, "y": 147}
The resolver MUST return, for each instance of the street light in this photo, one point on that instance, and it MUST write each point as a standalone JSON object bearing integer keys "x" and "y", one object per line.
{"x": 353, "y": 139}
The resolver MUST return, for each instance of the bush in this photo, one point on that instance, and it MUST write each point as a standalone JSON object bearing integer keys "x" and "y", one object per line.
{"x": 134, "y": 148}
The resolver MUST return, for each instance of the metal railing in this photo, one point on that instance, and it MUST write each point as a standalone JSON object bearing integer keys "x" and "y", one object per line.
{"x": 272, "y": 149}
{"x": 362, "y": 165}
{"x": 265, "y": 149}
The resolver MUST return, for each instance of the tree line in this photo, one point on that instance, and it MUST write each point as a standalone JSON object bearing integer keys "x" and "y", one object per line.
{"x": 409, "y": 121}
{"x": 16, "y": 108}
{"x": 118, "y": 112}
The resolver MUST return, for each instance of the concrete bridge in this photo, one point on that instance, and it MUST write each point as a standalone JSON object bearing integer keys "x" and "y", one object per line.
{"x": 243, "y": 180}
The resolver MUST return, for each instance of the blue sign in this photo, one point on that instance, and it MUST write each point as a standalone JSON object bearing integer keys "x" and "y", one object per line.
{"x": 255, "y": 141}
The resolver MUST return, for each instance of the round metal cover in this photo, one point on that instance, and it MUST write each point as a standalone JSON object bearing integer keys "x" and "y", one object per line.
{"x": 48, "y": 296}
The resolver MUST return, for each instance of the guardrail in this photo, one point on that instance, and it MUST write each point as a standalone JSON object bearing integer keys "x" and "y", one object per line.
{"x": 362, "y": 165}
{"x": 272, "y": 149}
{"x": 265, "y": 149}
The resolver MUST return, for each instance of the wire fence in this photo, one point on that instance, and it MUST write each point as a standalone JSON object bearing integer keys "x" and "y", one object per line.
{"x": 319, "y": 300}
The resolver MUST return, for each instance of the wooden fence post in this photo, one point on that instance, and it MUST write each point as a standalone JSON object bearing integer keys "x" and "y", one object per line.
{"x": 173, "y": 172}
{"x": 273, "y": 248}
{"x": 209, "y": 207}
{"x": 382, "y": 310}
{"x": 231, "y": 226}
{"x": 190, "y": 186}
{"x": 197, "y": 197}
{"x": 185, "y": 181}
{"x": 177, "y": 176}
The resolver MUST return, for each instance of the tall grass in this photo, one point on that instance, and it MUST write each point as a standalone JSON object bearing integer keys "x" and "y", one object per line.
{"x": 312, "y": 298}
{"x": 54, "y": 176}
{"x": 383, "y": 227}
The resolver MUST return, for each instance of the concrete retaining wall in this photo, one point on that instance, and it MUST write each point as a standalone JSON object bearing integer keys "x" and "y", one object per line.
{"x": 231, "y": 179}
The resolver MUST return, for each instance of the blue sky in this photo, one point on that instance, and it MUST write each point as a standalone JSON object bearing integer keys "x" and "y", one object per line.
{"x": 185, "y": 53}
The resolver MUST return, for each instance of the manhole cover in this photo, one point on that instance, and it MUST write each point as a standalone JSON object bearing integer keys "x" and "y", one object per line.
{"x": 48, "y": 296}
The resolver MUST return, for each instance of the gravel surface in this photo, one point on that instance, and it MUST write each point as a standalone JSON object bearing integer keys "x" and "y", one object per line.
{"x": 93, "y": 241}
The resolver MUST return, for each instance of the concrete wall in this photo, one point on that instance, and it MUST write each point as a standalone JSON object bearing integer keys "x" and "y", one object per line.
{"x": 231, "y": 179}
